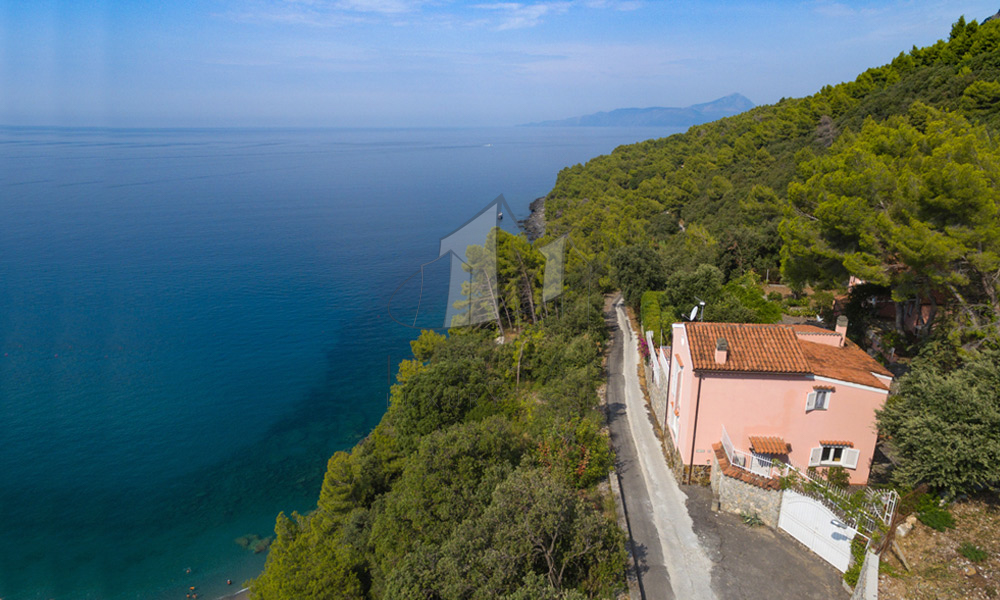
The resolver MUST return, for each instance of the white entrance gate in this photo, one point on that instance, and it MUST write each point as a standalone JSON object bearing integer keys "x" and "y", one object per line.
{"x": 817, "y": 527}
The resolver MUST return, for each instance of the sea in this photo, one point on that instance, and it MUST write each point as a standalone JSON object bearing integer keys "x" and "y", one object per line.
{"x": 193, "y": 320}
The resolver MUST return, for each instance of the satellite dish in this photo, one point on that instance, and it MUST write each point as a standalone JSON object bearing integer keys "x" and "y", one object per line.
{"x": 694, "y": 314}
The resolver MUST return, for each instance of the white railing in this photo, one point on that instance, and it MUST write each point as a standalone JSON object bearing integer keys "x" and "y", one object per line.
{"x": 748, "y": 461}
{"x": 879, "y": 507}
{"x": 727, "y": 444}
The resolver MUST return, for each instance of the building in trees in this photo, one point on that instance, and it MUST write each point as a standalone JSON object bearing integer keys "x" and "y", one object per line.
{"x": 800, "y": 394}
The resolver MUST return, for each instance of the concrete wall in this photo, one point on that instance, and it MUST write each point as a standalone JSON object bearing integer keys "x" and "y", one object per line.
{"x": 867, "y": 587}
{"x": 657, "y": 388}
{"x": 738, "y": 497}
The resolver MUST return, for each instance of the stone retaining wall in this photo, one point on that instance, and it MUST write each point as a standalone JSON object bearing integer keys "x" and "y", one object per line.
{"x": 741, "y": 492}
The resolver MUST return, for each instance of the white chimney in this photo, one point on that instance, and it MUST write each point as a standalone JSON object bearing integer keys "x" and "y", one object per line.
{"x": 842, "y": 329}
{"x": 721, "y": 351}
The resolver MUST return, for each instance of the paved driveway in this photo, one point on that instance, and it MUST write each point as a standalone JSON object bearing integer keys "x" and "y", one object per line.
{"x": 754, "y": 563}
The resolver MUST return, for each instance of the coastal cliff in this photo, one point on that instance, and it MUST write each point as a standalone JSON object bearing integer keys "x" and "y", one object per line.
{"x": 534, "y": 224}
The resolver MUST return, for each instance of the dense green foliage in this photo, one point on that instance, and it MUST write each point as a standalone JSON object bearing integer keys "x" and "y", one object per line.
{"x": 741, "y": 300}
{"x": 910, "y": 203}
{"x": 944, "y": 421}
{"x": 482, "y": 479}
{"x": 718, "y": 193}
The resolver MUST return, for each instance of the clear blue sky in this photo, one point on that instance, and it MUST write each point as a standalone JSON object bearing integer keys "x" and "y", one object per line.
{"x": 432, "y": 62}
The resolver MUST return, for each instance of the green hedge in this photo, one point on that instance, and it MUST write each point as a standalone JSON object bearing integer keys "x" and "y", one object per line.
{"x": 657, "y": 316}
{"x": 650, "y": 314}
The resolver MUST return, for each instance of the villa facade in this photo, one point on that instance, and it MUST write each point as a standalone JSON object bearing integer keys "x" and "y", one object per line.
{"x": 800, "y": 394}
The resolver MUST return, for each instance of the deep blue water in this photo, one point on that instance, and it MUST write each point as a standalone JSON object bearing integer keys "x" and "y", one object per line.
{"x": 192, "y": 321}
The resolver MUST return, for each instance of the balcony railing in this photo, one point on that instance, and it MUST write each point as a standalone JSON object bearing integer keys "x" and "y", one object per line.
{"x": 749, "y": 461}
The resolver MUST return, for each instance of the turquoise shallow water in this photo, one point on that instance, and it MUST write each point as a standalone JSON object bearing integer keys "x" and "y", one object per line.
{"x": 194, "y": 320}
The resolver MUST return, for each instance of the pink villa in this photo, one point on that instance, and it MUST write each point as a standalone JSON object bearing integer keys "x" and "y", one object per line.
{"x": 796, "y": 393}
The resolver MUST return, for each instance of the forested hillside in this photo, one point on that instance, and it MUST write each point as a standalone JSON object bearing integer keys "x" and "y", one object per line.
{"x": 717, "y": 193}
{"x": 483, "y": 479}
{"x": 892, "y": 178}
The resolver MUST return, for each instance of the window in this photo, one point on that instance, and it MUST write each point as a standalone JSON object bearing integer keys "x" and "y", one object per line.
{"x": 834, "y": 456}
{"x": 818, "y": 400}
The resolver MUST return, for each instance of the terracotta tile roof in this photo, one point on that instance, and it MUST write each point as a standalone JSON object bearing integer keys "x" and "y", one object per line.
{"x": 843, "y": 443}
{"x": 752, "y": 347}
{"x": 780, "y": 348}
{"x": 768, "y": 483}
{"x": 768, "y": 445}
{"x": 801, "y": 329}
{"x": 849, "y": 363}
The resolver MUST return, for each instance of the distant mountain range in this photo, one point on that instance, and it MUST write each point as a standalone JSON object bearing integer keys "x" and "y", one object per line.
{"x": 695, "y": 114}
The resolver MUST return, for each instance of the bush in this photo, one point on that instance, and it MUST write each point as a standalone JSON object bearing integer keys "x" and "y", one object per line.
{"x": 972, "y": 552}
{"x": 576, "y": 451}
{"x": 937, "y": 518}
{"x": 751, "y": 520}
{"x": 838, "y": 477}
{"x": 852, "y": 574}
{"x": 650, "y": 314}
{"x": 942, "y": 422}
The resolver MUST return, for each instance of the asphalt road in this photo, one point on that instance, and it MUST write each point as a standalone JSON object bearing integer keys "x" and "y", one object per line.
{"x": 670, "y": 561}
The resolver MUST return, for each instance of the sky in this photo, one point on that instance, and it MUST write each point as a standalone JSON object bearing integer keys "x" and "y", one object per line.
{"x": 432, "y": 63}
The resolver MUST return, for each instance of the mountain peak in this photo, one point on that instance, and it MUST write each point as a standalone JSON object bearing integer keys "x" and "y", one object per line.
{"x": 656, "y": 116}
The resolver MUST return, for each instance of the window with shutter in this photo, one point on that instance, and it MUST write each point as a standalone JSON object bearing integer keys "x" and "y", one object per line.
{"x": 834, "y": 456}
{"x": 818, "y": 400}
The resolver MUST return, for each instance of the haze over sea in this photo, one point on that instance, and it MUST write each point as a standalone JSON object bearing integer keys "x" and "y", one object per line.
{"x": 193, "y": 321}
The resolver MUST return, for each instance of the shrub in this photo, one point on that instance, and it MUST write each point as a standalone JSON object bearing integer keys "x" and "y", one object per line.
{"x": 852, "y": 574}
{"x": 577, "y": 451}
{"x": 937, "y": 518}
{"x": 942, "y": 423}
{"x": 838, "y": 477}
{"x": 751, "y": 520}
{"x": 650, "y": 314}
{"x": 972, "y": 552}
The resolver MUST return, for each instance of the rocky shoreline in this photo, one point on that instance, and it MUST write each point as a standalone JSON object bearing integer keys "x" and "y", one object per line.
{"x": 534, "y": 225}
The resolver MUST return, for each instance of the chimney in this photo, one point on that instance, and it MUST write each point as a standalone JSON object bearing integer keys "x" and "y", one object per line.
{"x": 721, "y": 351}
{"x": 842, "y": 329}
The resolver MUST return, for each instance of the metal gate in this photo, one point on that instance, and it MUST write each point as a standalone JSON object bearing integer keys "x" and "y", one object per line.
{"x": 817, "y": 527}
